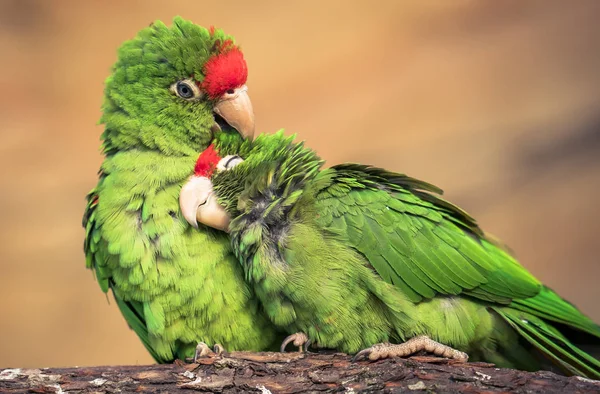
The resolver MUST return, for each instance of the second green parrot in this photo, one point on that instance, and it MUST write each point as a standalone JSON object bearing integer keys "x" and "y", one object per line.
{"x": 365, "y": 260}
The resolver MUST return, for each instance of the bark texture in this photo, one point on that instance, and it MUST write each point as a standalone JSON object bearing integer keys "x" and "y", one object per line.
{"x": 292, "y": 373}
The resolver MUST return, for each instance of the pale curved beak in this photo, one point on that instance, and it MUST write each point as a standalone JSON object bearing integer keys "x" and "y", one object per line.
{"x": 236, "y": 109}
{"x": 199, "y": 204}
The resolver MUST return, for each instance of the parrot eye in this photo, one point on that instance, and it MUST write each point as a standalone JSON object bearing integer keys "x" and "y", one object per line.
{"x": 186, "y": 89}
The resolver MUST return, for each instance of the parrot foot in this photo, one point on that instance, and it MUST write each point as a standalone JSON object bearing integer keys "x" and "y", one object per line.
{"x": 299, "y": 339}
{"x": 202, "y": 350}
{"x": 413, "y": 345}
{"x": 218, "y": 349}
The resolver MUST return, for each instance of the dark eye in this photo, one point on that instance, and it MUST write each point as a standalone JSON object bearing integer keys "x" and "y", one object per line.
{"x": 184, "y": 90}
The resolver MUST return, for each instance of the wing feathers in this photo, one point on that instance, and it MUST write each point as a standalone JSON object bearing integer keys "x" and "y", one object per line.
{"x": 416, "y": 240}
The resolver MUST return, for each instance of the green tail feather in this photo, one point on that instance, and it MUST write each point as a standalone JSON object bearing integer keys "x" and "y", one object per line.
{"x": 550, "y": 306}
{"x": 133, "y": 313}
{"x": 554, "y": 345}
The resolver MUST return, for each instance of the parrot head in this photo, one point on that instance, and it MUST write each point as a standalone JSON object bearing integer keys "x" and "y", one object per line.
{"x": 173, "y": 87}
{"x": 197, "y": 199}
{"x": 223, "y": 184}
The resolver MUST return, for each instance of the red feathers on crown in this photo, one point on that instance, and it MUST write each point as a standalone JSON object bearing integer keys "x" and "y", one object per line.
{"x": 207, "y": 162}
{"x": 224, "y": 71}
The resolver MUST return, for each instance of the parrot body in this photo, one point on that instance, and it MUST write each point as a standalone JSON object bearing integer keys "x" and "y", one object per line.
{"x": 175, "y": 285}
{"x": 354, "y": 256}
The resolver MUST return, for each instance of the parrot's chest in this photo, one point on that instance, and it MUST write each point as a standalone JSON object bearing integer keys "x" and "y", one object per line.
{"x": 142, "y": 231}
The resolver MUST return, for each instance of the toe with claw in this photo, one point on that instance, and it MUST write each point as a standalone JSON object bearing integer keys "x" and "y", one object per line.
{"x": 203, "y": 351}
{"x": 218, "y": 349}
{"x": 299, "y": 339}
{"x": 412, "y": 346}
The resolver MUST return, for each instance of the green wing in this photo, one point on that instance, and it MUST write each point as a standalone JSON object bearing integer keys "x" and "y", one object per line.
{"x": 414, "y": 239}
{"x": 427, "y": 246}
{"x": 132, "y": 311}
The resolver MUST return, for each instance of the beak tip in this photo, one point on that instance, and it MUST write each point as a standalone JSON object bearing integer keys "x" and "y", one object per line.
{"x": 199, "y": 205}
{"x": 192, "y": 221}
{"x": 238, "y": 112}
{"x": 190, "y": 196}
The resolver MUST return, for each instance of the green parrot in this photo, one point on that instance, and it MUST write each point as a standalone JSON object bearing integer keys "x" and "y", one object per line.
{"x": 361, "y": 259}
{"x": 181, "y": 289}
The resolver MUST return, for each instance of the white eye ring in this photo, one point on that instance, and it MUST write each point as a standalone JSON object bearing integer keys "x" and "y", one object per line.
{"x": 228, "y": 162}
{"x": 187, "y": 90}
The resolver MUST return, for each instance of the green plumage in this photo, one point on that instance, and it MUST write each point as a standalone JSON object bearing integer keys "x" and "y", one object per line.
{"x": 355, "y": 255}
{"x": 174, "y": 284}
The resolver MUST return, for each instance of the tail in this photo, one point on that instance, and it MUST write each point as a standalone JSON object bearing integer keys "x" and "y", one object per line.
{"x": 558, "y": 330}
{"x": 133, "y": 313}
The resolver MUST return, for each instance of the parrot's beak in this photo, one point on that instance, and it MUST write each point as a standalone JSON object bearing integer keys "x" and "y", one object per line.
{"x": 236, "y": 109}
{"x": 199, "y": 204}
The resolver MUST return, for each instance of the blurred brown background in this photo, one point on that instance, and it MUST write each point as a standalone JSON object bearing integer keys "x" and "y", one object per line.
{"x": 496, "y": 102}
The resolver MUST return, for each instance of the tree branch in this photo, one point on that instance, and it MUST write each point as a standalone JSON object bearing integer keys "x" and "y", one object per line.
{"x": 292, "y": 373}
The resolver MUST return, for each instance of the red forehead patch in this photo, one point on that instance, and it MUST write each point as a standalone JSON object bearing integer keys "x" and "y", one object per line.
{"x": 224, "y": 71}
{"x": 207, "y": 162}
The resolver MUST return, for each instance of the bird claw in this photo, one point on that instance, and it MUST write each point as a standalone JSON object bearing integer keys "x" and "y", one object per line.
{"x": 363, "y": 353}
{"x": 299, "y": 339}
{"x": 307, "y": 345}
{"x": 202, "y": 351}
{"x": 218, "y": 349}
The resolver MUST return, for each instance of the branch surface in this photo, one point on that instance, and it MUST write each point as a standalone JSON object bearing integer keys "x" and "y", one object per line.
{"x": 292, "y": 373}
